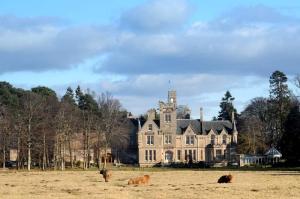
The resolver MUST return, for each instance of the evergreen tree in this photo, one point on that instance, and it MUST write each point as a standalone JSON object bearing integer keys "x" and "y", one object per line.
{"x": 79, "y": 96}
{"x": 44, "y": 91}
{"x": 69, "y": 96}
{"x": 279, "y": 104}
{"x": 227, "y": 107}
{"x": 290, "y": 141}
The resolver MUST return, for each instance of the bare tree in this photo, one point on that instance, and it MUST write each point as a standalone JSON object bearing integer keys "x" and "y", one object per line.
{"x": 111, "y": 122}
{"x": 254, "y": 127}
{"x": 297, "y": 80}
{"x": 31, "y": 103}
{"x": 4, "y": 131}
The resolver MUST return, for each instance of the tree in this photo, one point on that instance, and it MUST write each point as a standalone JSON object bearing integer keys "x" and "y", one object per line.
{"x": 297, "y": 81}
{"x": 69, "y": 97}
{"x": 254, "y": 127}
{"x": 279, "y": 104}
{"x": 227, "y": 107}
{"x": 183, "y": 112}
{"x": 112, "y": 121}
{"x": 291, "y": 137}
{"x": 31, "y": 104}
{"x": 4, "y": 131}
{"x": 89, "y": 107}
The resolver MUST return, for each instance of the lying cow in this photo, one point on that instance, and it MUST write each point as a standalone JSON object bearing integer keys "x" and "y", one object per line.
{"x": 106, "y": 174}
{"x": 225, "y": 179}
{"x": 139, "y": 180}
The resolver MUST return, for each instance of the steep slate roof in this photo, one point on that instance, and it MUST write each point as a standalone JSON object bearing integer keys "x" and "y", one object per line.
{"x": 216, "y": 126}
{"x": 157, "y": 123}
{"x": 200, "y": 128}
{"x": 203, "y": 127}
{"x": 135, "y": 121}
{"x": 182, "y": 125}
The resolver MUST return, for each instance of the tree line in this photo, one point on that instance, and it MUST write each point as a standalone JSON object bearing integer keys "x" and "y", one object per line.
{"x": 272, "y": 121}
{"x": 41, "y": 126}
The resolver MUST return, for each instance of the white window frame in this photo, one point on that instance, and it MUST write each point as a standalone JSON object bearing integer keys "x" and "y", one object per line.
{"x": 168, "y": 139}
{"x": 189, "y": 139}
{"x": 150, "y": 140}
{"x": 146, "y": 155}
{"x": 150, "y": 127}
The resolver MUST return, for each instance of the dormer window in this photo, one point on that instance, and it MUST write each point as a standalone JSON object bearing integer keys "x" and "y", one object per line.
{"x": 224, "y": 139}
{"x": 150, "y": 127}
{"x": 212, "y": 139}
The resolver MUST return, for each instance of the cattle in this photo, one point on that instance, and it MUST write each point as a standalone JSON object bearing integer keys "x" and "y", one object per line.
{"x": 225, "y": 179}
{"x": 106, "y": 174}
{"x": 139, "y": 180}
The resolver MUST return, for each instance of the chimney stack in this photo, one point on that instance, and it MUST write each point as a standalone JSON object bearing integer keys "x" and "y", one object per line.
{"x": 151, "y": 114}
{"x": 201, "y": 113}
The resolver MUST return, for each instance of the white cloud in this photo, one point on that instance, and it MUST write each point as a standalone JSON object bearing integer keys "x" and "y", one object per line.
{"x": 157, "y": 15}
{"x": 28, "y": 44}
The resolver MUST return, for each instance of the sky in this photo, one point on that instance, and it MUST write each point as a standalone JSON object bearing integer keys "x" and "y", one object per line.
{"x": 140, "y": 49}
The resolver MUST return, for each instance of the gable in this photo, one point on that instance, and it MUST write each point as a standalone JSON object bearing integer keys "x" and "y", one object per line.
{"x": 189, "y": 131}
{"x": 146, "y": 126}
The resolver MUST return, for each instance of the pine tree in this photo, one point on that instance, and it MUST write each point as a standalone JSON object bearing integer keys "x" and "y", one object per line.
{"x": 227, "y": 107}
{"x": 69, "y": 96}
{"x": 279, "y": 104}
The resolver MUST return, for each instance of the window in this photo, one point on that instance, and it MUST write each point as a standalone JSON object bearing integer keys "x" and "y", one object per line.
{"x": 168, "y": 139}
{"x": 150, "y": 139}
{"x": 224, "y": 139}
{"x": 192, "y": 140}
{"x": 167, "y": 117}
{"x": 189, "y": 139}
{"x": 150, "y": 155}
{"x": 212, "y": 139}
{"x": 146, "y": 155}
{"x": 150, "y": 127}
{"x": 201, "y": 155}
{"x": 219, "y": 154}
{"x": 178, "y": 154}
{"x": 185, "y": 155}
{"x": 194, "y": 155}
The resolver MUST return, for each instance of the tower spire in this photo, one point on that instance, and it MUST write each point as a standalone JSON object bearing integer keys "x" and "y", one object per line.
{"x": 233, "y": 122}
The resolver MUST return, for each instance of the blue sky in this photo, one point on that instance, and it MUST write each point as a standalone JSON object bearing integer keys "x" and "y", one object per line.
{"x": 133, "y": 48}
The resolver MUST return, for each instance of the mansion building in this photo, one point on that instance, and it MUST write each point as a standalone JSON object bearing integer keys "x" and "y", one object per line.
{"x": 166, "y": 139}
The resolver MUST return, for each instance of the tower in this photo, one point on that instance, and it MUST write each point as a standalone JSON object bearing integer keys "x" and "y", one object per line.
{"x": 168, "y": 123}
{"x": 172, "y": 97}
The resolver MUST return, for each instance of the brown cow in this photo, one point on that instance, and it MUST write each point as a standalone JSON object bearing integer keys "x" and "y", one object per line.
{"x": 225, "y": 179}
{"x": 106, "y": 174}
{"x": 139, "y": 180}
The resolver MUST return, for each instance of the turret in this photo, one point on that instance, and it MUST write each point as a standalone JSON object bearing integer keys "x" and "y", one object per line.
{"x": 168, "y": 113}
{"x": 234, "y": 129}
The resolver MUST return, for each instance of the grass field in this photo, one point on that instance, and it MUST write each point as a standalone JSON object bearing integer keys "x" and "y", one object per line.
{"x": 163, "y": 184}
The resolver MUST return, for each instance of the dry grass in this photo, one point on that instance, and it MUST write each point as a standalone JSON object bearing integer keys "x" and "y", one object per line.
{"x": 165, "y": 184}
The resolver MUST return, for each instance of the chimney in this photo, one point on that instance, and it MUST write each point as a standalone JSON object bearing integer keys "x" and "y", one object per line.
{"x": 201, "y": 114}
{"x": 151, "y": 114}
